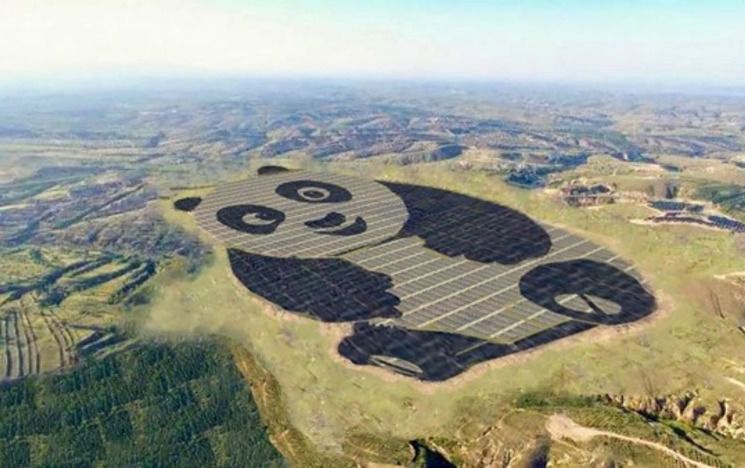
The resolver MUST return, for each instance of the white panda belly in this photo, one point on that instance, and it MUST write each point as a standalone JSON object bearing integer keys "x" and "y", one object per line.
{"x": 457, "y": 295}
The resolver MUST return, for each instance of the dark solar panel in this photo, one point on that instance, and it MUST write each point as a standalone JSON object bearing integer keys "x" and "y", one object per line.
{"x": 434, "y": 281}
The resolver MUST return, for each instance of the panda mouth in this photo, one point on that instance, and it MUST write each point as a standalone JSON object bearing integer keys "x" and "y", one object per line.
{"x": 335, "y": 224}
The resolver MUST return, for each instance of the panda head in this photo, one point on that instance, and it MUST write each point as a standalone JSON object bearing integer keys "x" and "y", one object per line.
{"x": 298, "y": 214}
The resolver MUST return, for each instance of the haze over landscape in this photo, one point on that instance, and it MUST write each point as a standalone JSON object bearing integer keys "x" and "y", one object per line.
{"x": 329, "y": 233}
{"x": 660, "y": 41}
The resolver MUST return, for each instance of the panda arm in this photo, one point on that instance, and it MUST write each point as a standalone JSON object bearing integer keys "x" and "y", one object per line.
{"x": 326, "y": 289}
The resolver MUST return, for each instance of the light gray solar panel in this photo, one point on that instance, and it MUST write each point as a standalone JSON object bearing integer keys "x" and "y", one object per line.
{"x": 435, "y": 291}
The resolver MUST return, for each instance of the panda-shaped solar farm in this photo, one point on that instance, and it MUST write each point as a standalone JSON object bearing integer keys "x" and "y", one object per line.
{"x": 432, "y": 281}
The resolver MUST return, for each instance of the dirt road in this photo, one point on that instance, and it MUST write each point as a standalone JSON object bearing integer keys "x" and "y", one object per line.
{"x": 562, "y": 427}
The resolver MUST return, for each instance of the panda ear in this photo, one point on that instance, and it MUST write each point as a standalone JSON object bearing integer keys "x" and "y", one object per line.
{"x": 187, "y": 203}
{"x": 269, "y": 170}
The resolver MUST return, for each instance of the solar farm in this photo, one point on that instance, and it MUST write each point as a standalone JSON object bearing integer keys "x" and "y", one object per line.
{"x": 369, "y": 202}
{"x": 436, "y": 281}
{"x": 480, "y": 300}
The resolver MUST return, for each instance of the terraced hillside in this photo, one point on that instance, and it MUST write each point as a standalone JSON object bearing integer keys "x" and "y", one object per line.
{"x": 76, "y": 244}
{"x": 66, "y": 310}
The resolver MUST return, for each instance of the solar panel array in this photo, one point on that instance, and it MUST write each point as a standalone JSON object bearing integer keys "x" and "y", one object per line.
{"x": 384, "y": 213}
{"x": 456, "y": 295}
{"x": 435, "y": 281}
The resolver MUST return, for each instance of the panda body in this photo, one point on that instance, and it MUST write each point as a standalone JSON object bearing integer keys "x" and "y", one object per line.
{"x": 433, "y": 281}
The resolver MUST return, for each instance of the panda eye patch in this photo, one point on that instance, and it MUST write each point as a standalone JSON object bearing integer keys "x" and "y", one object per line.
{"x": 251, "y": 219}
{"x": 310, "y": 191}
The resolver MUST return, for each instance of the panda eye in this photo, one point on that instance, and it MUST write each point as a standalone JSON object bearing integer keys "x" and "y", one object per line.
{"x": 251, "y": 219}
{"x": 313, "y": 194}
{"x": 262, "y": 218}
{"x": 309, "y": 191}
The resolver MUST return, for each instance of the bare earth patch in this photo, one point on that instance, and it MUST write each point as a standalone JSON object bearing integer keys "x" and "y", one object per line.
{"x": 562, "y": 427}
{"x": 734, "y": 381}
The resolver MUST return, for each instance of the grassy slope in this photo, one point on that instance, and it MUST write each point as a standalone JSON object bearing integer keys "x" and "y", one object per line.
{"x": 686, "y": 347}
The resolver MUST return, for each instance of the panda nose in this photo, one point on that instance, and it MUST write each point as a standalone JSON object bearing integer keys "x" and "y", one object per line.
{"x": 330, "y": 220}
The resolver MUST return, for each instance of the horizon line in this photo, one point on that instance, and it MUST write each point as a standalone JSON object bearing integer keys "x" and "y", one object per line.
{"x": 112, "y": 81}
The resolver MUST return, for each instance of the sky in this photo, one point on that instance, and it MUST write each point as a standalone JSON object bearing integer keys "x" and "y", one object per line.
{"x": 652, "y": 41}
